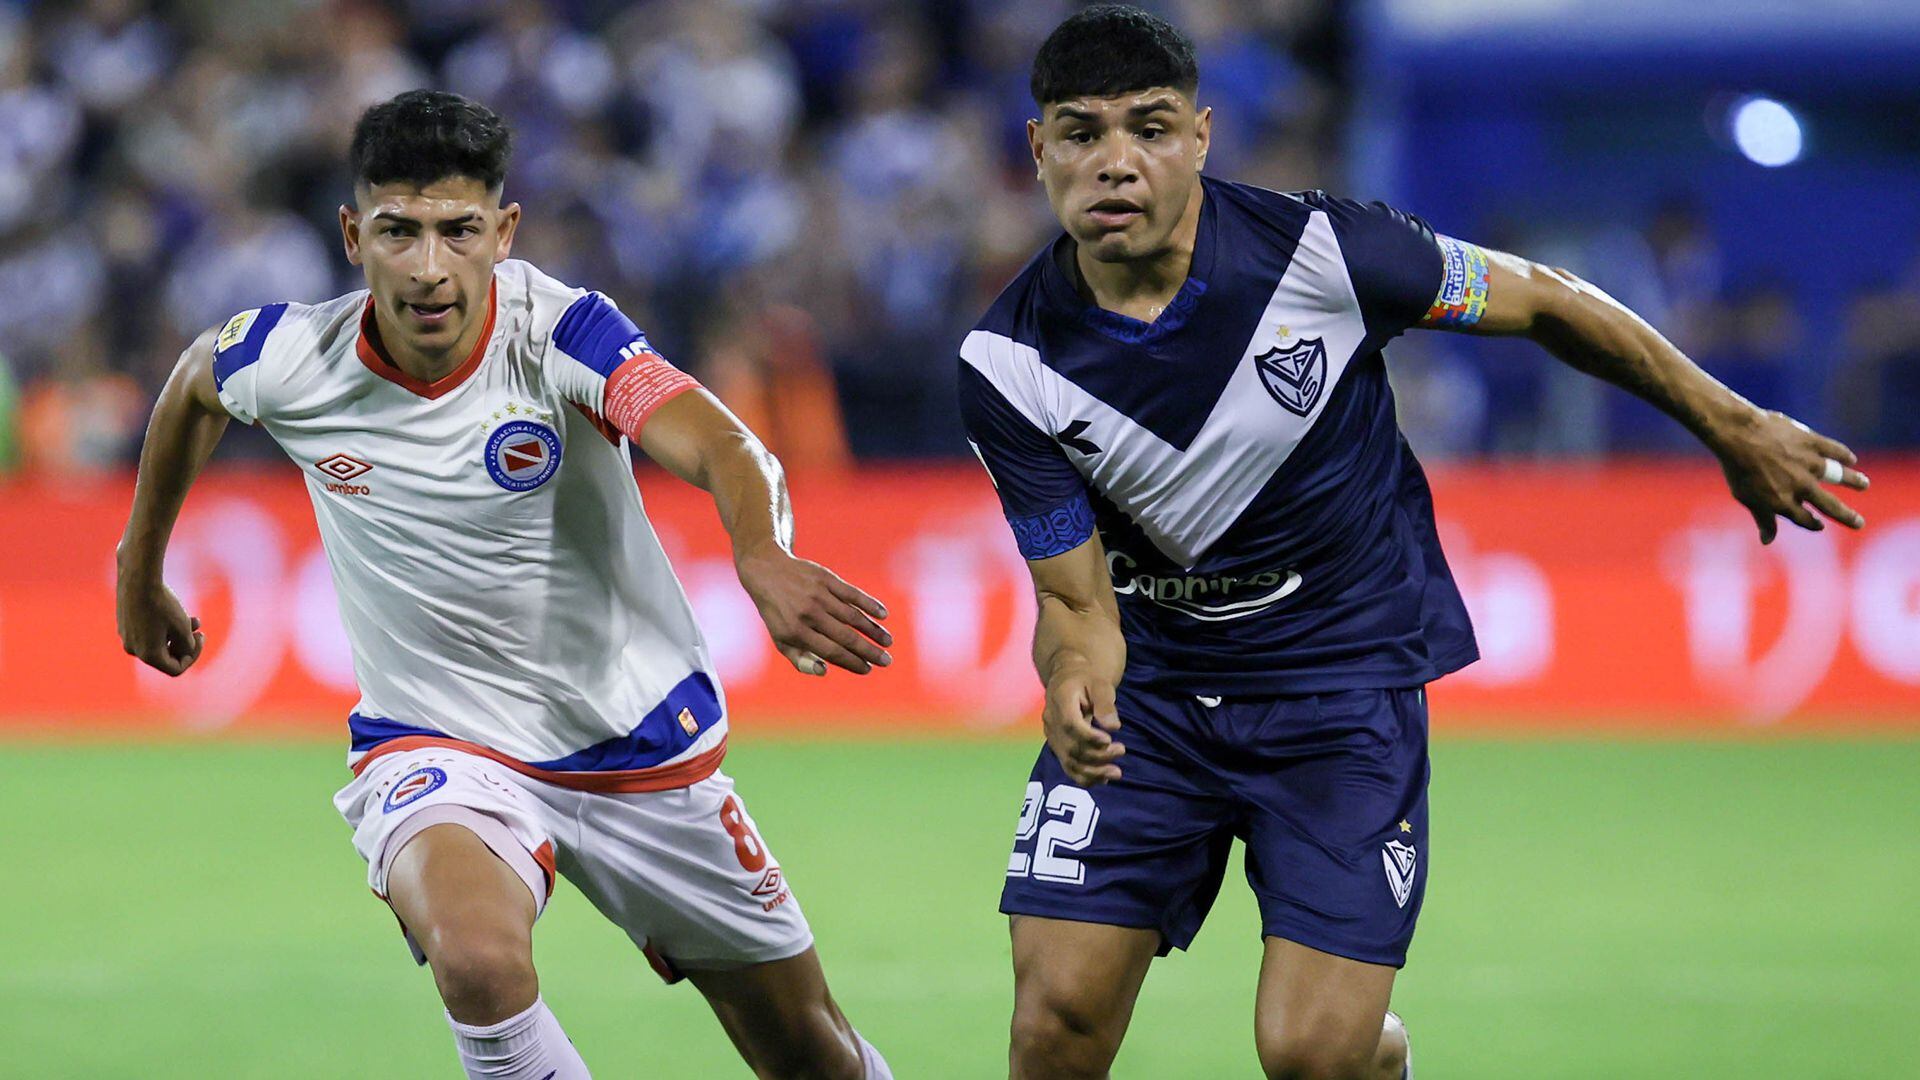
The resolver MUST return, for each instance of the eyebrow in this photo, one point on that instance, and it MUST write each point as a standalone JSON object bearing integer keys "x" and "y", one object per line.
{"x": 389, "y": 215}
{"x": 1166, "y": 103}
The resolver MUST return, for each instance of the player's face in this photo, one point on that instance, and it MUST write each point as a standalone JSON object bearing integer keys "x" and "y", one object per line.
{"x": 429, "y": 253}
{"x": 1121, "y": 171}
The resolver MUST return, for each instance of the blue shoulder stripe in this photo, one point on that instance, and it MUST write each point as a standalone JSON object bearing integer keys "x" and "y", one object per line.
{"x": 241, "y": 339}
{"x": 598, "y": 335}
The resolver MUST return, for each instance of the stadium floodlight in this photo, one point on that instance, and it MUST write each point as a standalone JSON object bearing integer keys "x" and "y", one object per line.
{"x": 1766, "y": 131}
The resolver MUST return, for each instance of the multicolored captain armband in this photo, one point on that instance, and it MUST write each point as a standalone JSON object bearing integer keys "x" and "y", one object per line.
{"x": 1463, "y": 285}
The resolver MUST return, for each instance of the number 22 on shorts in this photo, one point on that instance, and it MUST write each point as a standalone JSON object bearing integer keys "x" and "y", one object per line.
{"x": 1063, "y": 820}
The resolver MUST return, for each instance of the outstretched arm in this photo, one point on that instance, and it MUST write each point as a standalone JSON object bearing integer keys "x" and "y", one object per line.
{"x": 811, "y": 613}
{"x": 187, "y": 423}
{"x": 1774, "y": 464}
{"x": 1080, "y": 654}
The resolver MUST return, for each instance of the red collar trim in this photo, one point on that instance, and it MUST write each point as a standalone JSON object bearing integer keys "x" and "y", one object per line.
{"x": 374, "y": 354}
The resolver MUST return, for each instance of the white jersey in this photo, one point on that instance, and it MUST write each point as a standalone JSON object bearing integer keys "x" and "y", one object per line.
{"x": 500, "y": 584}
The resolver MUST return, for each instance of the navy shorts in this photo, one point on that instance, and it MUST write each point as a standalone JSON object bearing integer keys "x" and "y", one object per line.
{"x": 1328, "y": 791}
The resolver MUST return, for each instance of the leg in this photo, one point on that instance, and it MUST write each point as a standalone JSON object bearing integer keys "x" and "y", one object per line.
{"x": 1074, "y": 986}
{"x": 458, "y": 850}
{"x": 1324, "y": 1017}
{"x": 687, "y": 874}
{"x": 473, "y": 917}
{"x": 1337, "y": 816}
{"x": 784, "y": 1022}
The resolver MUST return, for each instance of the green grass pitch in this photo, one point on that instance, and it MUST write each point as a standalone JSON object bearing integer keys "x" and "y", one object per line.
{"x": 1595, "y": 910}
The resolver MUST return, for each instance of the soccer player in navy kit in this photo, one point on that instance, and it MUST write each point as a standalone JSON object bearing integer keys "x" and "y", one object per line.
{"x": 1183, "y": 404}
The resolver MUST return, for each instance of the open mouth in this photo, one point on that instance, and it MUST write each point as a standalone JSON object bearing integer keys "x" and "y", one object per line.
{"x": 430, "y": 313}
{"x": 1115, "y": 213}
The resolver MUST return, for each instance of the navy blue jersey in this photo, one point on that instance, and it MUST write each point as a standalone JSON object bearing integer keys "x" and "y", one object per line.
{"x": 1267, "y": 528}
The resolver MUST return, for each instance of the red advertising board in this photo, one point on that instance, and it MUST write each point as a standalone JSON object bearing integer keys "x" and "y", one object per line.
{"x": 1620, "y": 596}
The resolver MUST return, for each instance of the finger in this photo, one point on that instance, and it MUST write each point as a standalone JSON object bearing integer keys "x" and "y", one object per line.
{"x": 1833, "y": 448}
{"x": 1768, "y": 527}
{"x": 1101, "y": 699}
{"x": 803, "y": 661}
{"x": 1829, "y": 504}
{"x": 1854, "y": 479}
{"x": 1072, "y": 722}
{"x": 852, "y": 641}
{"x": 855, "y": 596}
{"x": 862, "y": 622}
{"x": 1803, "y": 517}
{"x": 1094, "y": 756}
{"x": 1105, "y": 774}
{"x": 833, "y": 652}
{"x": 162, "y": 661}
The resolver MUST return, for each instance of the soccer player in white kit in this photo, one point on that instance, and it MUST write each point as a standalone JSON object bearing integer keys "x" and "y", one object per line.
{"x": 536, "y": 696}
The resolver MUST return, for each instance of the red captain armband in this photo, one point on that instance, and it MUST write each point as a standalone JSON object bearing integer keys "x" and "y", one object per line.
{"x": 639, "y": 386}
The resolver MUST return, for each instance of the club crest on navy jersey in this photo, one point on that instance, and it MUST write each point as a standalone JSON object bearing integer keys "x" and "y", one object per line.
{"x": 1295, "y": 374}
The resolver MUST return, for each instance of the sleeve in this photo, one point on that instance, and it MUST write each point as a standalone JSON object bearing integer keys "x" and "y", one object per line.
{"x": 1042, "y": 494}
{"x": 1403, "y": 273}
{"x": 236, "y": 362}
{"x": 601, "y": 361}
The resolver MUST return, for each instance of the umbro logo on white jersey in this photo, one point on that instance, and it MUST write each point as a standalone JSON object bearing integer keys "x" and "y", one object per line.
{"x": 343, "y": 468}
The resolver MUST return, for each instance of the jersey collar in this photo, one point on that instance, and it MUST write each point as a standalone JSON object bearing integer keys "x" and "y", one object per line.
{"x": 374, "y": 354}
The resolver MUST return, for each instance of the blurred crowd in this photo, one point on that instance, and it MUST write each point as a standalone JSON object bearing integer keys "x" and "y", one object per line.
{"x": 805, "y": 202}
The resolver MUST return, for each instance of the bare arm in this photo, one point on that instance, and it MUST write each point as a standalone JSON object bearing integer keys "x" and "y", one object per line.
{"x": 811, "y": 613}
{"x": 1080, "y": 655}
{"x": 187, "y": 423}
{"x": 1774, "y": 464}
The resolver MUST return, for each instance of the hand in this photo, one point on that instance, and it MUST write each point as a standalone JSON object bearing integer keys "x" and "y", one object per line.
{"x": 815, "y": 618}
{"x": 1774, "y": 465}
{"x": 1080, "y": 719}
{"x": 155, "y": 627}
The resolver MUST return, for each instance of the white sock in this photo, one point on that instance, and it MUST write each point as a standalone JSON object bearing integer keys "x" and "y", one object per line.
{"x": 876, "y": 1066}
{"x": 529, "y": 1046}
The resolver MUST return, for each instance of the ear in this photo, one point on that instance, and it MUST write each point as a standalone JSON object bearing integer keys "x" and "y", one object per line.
{"x": 1034, "y": 143}
{"x": 509, "y": 221}
{"x": 350, "y": 232}
{"x": 1202, "y": 137}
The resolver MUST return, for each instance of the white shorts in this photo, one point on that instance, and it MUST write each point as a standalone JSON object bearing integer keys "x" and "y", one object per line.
{"x": 683, "y": 871}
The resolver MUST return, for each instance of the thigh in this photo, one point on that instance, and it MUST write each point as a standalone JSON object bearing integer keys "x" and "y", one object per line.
{"x": 1098, "y": 965}
{"x": 1147, "y": 851}
{"x": 1315, "y": 1007}
{"x": 688, "y": 876}
{"x": 447, "y": 832}
{"x": 1334, "y": 793}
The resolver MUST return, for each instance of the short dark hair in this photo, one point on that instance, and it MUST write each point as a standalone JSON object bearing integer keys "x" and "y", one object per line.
{"x": 426, "y": 135}
{"x": 1111, "y": 49}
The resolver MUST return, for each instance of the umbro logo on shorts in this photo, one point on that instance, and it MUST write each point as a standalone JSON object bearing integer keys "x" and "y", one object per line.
{"x": 1401, "y": 864}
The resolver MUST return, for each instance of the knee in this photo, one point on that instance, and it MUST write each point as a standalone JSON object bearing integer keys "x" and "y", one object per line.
{"x": 484, "y": 976}
{"x": 1062, "y": 1034}
{"x": 1323, "y": 1052}
{"x": 815, "y": 1045}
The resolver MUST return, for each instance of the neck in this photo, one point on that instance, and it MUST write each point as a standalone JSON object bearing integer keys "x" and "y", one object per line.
{"x": 1141, "y": 288}
{"x": 429, "y": 365}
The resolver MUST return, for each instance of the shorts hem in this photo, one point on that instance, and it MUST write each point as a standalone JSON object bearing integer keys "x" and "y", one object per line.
{"x": 1100, "y": 918}
{"x": 736, "y": 961}
{"x": 1341, "y": 949}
